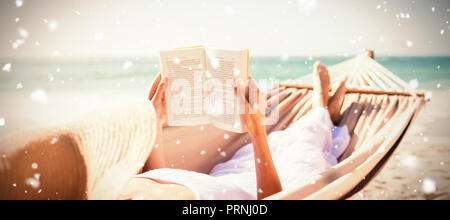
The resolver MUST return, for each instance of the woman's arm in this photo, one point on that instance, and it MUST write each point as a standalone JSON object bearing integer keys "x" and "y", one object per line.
{"x": 268, "y": 182}
{"x": 157, "y": 97}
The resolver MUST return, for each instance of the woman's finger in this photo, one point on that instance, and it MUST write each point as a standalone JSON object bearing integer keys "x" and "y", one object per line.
{"x": 161, "y": 89}
{"x": 240, "y": 91}
{"x": 155, "y": 86}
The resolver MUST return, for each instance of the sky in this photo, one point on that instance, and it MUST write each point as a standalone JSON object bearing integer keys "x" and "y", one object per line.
{"x": 140, "y": 28}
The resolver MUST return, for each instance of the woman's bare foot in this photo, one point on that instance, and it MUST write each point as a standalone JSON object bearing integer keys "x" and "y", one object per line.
{"x": 335, "y": 102}
{"x": 321, "y": 85}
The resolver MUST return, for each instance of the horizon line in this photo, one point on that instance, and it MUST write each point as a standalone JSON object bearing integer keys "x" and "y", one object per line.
{"x": 74, "y": 58}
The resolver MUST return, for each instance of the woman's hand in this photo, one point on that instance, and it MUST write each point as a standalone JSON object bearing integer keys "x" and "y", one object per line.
{"x": 267, "y": 179}
{"x": 158, "y": 98}
{"x": 254, "y": 106}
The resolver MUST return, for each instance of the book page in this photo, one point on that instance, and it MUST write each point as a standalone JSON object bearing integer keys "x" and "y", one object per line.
{"x": 185, "y": 70}
{"x": 223, "y": 67}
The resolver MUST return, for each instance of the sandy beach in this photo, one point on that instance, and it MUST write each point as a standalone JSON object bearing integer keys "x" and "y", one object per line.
{"x": 419, "y": 168}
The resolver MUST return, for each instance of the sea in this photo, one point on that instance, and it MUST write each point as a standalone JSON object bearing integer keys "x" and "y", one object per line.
{"x": 46, "y": 92}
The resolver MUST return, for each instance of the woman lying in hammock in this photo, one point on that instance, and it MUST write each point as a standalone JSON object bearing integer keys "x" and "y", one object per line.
{"x": 267, "y": 166}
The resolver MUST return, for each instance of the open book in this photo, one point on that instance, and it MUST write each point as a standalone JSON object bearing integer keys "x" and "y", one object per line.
{"x": 200, "y": 88}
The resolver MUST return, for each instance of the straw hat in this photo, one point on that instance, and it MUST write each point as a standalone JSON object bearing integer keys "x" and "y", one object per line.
{"x": 89, "y": 159}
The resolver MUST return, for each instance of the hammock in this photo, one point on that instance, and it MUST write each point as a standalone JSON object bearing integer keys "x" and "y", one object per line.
{"x": 82, "y": 160}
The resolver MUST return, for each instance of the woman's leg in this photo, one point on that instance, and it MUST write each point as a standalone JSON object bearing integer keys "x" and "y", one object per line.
{"x": 335, "y": 102}
{"x": 321, "y": 85}
{"x": 315, "y": 127}
{"x": 146, "y": 189}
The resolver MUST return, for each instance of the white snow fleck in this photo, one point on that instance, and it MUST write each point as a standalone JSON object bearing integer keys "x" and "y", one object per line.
{"x": 176, "y": 60}
{"x": 14, "y": 185}
{"x": 53, "y": 141}
{"x": 414, "y": 83}
{"x": 34, "y": 166}
{"x": 226, "y": 136}
{"x": 428, "y": 95}
{"x": 260, "y": 191}
{"x": 19, "y": 86}
{"x": 99, "y": 36}
{"x": 223, "y": 154}
{"x": 433, "y": 9}
{"x": 403, "y": 15}
{"x": 306, "y": 6}
{"x": 156, "y": 146}
{"x": 237, "y": 72}
{"x": 381, "y": 149}
{"x": 202, "y": 128}
{"x": 442, "y": 31}
{"x": 438, "y": 85}
{"x": 77, "y": 12}
{"x": 203, "y": 152}
{"x": 17, "y": 43}
{"x": 442, "y": 163}
{"x": 409, "y": 43}
{"x": 52, "y": 25}
{"x": 39, "y": 96}
{"x": 37, "y": 43}
{"x": 2, "y": 122}
{"x": 284, "y": 56}
{"x": 178, "y": 141}
{"x": 7, "y": 67}
{"x": 208, "y": 74}
{"x": 33, "y": 183}
{"x": 409, "y": 161}
{"x": 228, "y": 10}
{"x": 50, "y": 77}
{"x": 17, "y": 20}
{"x": 23, "y": 32}
{"x": 215, "y": 63}
{"x": 127, "y": 65}
{"x": 19, "y": 3}
{"x": 428, "y": 186}
{"x": 258, "y": 160}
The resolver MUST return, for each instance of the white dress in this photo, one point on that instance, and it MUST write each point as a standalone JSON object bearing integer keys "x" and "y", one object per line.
{"x": 306, "y": 148}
